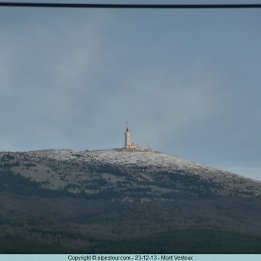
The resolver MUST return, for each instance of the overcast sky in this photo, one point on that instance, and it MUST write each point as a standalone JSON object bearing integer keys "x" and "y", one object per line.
{"x": 187, "y": 81}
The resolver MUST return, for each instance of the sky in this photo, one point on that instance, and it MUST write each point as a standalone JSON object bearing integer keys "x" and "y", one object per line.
{"x": 188, "y": 82}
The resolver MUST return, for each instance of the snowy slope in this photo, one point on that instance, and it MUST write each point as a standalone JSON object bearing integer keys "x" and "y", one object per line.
{"x": 126, "y": 173}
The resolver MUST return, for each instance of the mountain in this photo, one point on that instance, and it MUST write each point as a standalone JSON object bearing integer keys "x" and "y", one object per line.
{"x": 121, "y": 174}
{"x": 124, "y": 200}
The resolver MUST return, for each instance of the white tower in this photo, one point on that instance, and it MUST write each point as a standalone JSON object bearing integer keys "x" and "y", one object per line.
{"x": 127, "y": 140}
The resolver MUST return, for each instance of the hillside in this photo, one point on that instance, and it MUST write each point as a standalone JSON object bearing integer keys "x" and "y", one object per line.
{"x": 124, "y": 174}
{"x": 124, "y": 200}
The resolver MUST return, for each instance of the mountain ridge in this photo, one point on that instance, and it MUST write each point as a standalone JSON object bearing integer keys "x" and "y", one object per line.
{"x": 151, "y": 174}
{"x": 124, "y": 201}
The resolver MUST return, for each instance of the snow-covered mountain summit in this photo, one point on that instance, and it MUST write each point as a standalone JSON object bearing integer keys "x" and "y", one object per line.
{"x": 126, "y": 157}
{"x": 125, "y": 174}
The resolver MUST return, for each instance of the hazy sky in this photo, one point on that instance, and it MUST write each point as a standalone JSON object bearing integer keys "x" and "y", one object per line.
{"x": 187, "y": 81}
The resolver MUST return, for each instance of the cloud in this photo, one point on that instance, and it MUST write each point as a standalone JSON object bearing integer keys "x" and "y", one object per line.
{"x": 47, "y": 67}
{"x": 70, "y": 79}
